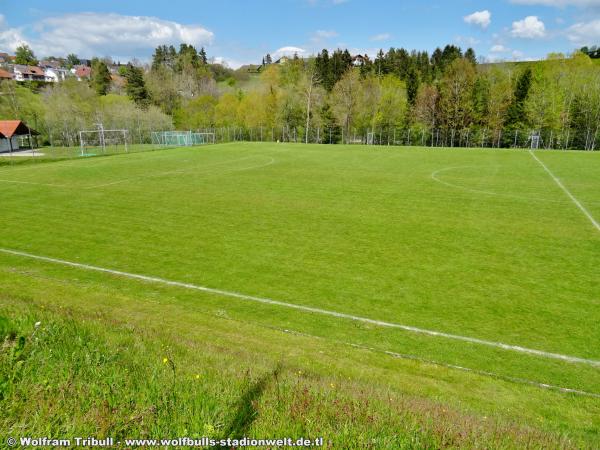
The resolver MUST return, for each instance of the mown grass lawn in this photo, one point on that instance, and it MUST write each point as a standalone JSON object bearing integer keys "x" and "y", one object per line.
{"x": 476, "y": 243}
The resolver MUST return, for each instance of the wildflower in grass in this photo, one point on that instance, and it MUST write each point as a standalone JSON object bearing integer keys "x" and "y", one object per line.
{"x": 165, "y": 360}
{"x": 332, "y": 385}
{"x": 209, "y": 429}
{"x": 197, "y": 376}
{"x": 37, "y": 325}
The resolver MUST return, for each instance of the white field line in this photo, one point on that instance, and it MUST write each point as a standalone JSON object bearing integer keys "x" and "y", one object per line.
{"x": 31, "y": 182}
{"x": 489, "y": 374}
{"x": 435, "y": 177}
{"x": 171, "y": 172}
{"x": 566, "y": 191}
{"x": 152, "y": 175}
{"x": 408, "y": 357}
{"x": 324, "y": 312}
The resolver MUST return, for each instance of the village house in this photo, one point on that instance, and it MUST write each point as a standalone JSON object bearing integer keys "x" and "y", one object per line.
{"x": 360, "y": 60}
{"x": 82, "y": 72}
{"x": 55, "y": 74}
{"x": 29, "y": 73}
{"x": 5, "y": 75}
{"x": 5, "y": 58}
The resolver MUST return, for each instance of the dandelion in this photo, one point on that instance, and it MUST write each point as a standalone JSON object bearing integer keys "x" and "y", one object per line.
{"x": 165, "y": 360}
{"x": 197, "y": 376}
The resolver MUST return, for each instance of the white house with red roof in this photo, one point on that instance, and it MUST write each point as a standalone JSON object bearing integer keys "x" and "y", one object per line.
{"x": 29, "y": 73}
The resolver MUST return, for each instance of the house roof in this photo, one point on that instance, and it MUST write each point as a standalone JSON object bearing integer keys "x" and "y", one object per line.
{"x": 83, "y": 71}
{"x": 10, "y": 128}
{"x": 30, "y": 70}
{"x": 5, "y": 75}
{"x": 49, "y": 63}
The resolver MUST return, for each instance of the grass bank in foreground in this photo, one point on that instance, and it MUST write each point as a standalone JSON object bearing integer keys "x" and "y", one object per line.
{"x": 65, "y": 373}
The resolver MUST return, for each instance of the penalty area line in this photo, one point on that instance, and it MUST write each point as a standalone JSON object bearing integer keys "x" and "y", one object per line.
{"x": 324, "y": 312}
{"x": 566, "y": 191}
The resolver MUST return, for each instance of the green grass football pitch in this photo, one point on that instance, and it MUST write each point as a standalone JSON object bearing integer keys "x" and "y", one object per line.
{"x": 481, "y": 251}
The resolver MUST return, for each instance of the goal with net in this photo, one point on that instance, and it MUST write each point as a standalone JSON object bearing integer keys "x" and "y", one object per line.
{"x": 181, "y": 138}
{"x": 102, "y": 141}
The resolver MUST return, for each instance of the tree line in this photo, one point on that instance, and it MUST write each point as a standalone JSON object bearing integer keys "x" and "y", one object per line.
{"x": 445, "y": 98}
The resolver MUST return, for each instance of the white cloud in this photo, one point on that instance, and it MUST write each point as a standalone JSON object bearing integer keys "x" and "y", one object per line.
{"x": 530, "y": 27}
{"x": 10, "y": 38}
{"x": 500, "y": 55}
{"x": 338, "y": 2}
{"x": 114, "y": 34}
{"x": 228, "y": 62}
{"x": 288, "y": 51}
{"x": 499, "y": 48}
{"x": 100, "y": 34}
{"x": 381, "y": 37}
{"x": 584, "y": 33}
{"x": 320, "y": 36}
{"x": 559, "y": 3}
{"x": 480, "y": 18}
{"x": 466, "y": 40}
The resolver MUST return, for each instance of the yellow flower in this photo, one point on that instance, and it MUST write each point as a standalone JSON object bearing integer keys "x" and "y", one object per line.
{"x": 332, "y": 385}
{"x": 197, "y": 377}
{"x": 165, "y": 360}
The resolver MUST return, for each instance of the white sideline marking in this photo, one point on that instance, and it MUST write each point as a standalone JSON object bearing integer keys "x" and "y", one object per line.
{"x": 566, "y": 191}
{"x": 489, "y": 374}
{"x": 404, "y": 356}
{"x": 268, "y": 301}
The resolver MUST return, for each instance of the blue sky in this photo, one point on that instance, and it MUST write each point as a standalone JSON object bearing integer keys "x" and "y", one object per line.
{"x": 238, "y": 32}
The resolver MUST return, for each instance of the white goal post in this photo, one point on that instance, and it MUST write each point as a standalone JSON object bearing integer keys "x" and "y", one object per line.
{"x": 93, "y": 141}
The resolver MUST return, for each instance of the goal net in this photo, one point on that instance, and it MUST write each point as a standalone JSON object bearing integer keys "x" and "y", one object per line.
{"x": 101, "y": 141}
{"x": 181, "y": 138}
